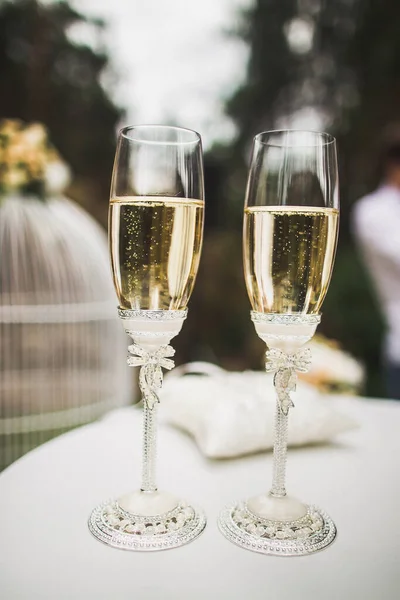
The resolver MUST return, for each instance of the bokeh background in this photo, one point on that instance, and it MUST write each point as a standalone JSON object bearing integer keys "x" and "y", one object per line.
{"x": 229, "y": 69}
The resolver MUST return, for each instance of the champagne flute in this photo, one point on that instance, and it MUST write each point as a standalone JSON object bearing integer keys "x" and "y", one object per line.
{"x": 290, "y": 234}
{"x": 155, "y": 238}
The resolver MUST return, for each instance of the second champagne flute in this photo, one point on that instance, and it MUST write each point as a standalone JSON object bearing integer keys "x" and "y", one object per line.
{"x": 289, "y": 241}
{"x": 155, "y": 233}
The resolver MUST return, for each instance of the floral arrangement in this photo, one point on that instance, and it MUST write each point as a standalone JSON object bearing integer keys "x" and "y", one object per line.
{"x": 332, "y": 369}
{"x": 29, "y": 164}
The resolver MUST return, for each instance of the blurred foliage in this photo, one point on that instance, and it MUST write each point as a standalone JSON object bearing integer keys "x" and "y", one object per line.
{"x": 48, "y": 78}
{"x": 342, "y": 58}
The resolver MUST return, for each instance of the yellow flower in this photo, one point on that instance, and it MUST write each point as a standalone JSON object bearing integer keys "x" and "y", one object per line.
{"x": 14, "y": 152}
{"x": 26, "y": 157}
{"x": 34, "y": 135}
{"x": 14, "y": 178}
{"x": 9, "y": 126}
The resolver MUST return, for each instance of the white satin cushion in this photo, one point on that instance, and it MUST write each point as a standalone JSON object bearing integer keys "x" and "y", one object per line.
{"x": 232, "y": 414}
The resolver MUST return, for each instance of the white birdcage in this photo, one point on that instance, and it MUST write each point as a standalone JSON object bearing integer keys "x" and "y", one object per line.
{"x": 62, "y": 349}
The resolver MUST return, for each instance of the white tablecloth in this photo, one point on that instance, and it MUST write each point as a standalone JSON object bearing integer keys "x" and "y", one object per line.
{"x": 47, "y": 552}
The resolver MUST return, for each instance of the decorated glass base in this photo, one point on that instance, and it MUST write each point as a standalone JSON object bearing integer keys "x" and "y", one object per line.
{"x": 310, "y": 533}
{"x": 117, "y": 527}
{"x": 276, "y": 523}
{"x": 148, "y": 519}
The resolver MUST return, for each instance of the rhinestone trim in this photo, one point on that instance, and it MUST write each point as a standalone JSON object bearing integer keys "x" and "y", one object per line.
{"x": 272, "y": 337}
{"x": 151, "y": 334}
{"x": 281, "y": 319}
{"x": 313, "y": 532}
{"x": 152, "y": 315}
{"x": 112, "y": 525}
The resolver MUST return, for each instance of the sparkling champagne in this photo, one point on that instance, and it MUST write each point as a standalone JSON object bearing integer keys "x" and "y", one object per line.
{"x": 288, "y": 257}
{"x": 155, "y": 247}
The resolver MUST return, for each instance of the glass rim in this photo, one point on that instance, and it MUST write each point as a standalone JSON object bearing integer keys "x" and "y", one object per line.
{"x": 325, "y": 138}
{"x": 126, "y": 131}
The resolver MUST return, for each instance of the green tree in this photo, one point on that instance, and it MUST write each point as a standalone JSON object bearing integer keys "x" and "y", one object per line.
{"x": 48, "y": 78}
{"x": 348, "y": 69}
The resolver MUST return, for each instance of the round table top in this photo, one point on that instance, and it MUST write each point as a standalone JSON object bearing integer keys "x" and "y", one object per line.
{"x": 47, "y": 552}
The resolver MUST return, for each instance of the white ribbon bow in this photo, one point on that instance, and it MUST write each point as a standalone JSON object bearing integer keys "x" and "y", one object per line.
{"x": 276, "y": 359}
{"x": 151, "y": 376}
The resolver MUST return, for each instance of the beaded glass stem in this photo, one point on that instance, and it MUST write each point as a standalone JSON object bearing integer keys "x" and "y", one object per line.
{"x": 149, "y": 449}
{"x": 275, "y": 523}
{"x": 148, "y": 519}
{"x": 280, "y": 453}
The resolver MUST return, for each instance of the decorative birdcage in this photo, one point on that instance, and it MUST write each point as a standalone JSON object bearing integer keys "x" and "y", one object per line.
{"x": 61, "y": 346}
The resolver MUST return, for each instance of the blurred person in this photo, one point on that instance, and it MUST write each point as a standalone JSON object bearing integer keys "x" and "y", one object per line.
{"x": 376, "y": 226}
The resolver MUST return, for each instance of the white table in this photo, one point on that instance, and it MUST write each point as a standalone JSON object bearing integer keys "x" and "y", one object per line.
{"x": 46, "y": 551}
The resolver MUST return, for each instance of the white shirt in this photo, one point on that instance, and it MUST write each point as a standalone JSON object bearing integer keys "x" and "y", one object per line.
{"x": 376, "y": 224}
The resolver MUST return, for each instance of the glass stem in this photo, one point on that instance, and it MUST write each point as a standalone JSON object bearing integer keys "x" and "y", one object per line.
{"x": 280, "y": 452}
{"x": 149, "y": 448}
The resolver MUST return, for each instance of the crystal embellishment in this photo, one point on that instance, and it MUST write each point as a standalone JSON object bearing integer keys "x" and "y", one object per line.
{"x": 283, "y": 319}
{"x": 315, "y": 530}
{"x": 152, "y": 315}
{"x": 120, "y": 529}
{"x": 109, "y": 522}
{"x": 311, "y": 533}
{"x": 151, "y": 376}
{"x": 285, "y": 367}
